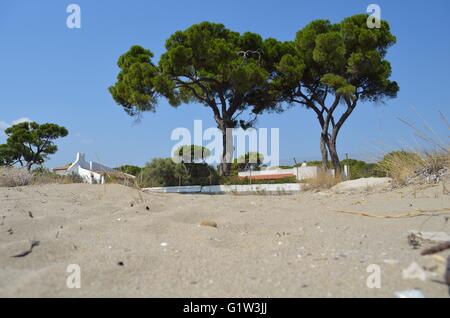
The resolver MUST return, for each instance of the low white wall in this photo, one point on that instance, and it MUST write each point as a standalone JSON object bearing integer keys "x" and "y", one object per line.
{"x": 182, "y": 189}
{"x": 300, "y": 172}
{"x": 306, "y": 172}
{"x": 265, "y": 172}
{"x": 241, "y": 188}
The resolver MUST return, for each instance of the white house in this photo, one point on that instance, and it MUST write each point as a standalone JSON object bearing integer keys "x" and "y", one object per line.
{"x": 91, "y": 172}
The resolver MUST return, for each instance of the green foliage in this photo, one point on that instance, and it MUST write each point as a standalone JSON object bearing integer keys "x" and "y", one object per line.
{"x": 30, "y": 144}
{"x": 8, "y": 155}
{"x": 230, "y": 72}
{"x": 129, "y": 169}
{"x": 201, "y": 174}
{"x": 250, "y": 160}
{"x": 255, "y": 158}
{"x": 134, "y": 89}
{"x": 207, "y": 64}
{"x": 344, "y": 62}
{"x": 312, "y": 163}
{"x": 346, "y": 57}
{"x": 163, "y": 172}
{"x": 358, "y": 168}
{"x": 191, "y": 153}
{"x": 361, "y": 169}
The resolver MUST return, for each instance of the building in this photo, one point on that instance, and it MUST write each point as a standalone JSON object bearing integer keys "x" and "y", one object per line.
{"x": 91, "y": 172}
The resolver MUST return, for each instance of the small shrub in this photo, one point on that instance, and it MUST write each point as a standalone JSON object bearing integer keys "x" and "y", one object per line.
{"x": 119, "y": 178}
{"x": 323, "y": 180}
{"x": 14, "y": 177}
{"x": 162, "y": 172}
{"x": 132, "y": 170}
{"x": 399, "y": 165}
{"x": 201, "y": 174}
{"x": 46, "y": 176}
{"x": 361, "y": 169}
{"x": 250, "y": 160}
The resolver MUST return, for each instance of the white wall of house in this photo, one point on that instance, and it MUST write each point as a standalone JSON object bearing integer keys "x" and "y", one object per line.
{"x": 89, "y": 171}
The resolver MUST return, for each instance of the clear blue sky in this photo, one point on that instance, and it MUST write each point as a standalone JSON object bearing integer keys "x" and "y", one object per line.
{"x": 50, "y": 73}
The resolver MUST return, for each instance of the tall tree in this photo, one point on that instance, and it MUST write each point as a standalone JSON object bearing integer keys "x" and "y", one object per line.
{"x": 30, "y": 144}
{"x": 334, "y": 67}
{"x": 248, "y": 161}
{"x": 191, "y": 153}
{"x": 206, "y": 64}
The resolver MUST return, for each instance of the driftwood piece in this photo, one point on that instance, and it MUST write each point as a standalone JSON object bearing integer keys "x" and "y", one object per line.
{"x": 436, "y": 248}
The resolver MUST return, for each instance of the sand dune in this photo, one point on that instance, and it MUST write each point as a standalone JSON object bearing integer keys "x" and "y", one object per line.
{"x": 128, "y": 243}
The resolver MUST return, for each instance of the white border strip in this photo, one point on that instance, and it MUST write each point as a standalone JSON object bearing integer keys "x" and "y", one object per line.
{"x": 234, "y": 188}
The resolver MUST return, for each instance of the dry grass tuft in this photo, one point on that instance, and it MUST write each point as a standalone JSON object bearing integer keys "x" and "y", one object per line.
{"x": 323, "y": 180}
{"x": 14, "y": 177}
{"x": 400, "y": 165}
{"x": 121, "y": 178}
{"x": 17, "y": 177}
{"x": 53, "y": 178}
{"x": 420, "y": 167}
{"x": 416, "y": 168}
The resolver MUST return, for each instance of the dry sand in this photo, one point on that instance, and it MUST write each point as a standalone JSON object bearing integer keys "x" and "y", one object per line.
{"x": 263, "y": 246}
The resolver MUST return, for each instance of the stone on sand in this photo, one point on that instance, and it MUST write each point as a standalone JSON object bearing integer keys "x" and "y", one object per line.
{"x": 362, "y": 184}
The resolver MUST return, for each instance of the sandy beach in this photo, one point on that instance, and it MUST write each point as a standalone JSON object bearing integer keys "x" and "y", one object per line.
{"x": 134, "y": 244}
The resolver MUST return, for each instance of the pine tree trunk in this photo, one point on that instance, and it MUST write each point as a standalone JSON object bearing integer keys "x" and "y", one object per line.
{"x": 227, "y": 153}
{"x": 334, "y": 156}
{"x": 324, "y": 151}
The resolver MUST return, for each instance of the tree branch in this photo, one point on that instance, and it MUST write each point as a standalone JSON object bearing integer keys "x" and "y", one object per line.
{"x": 350, "y": 107}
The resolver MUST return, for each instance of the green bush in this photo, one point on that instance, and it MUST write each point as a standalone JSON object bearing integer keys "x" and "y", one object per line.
{"x": 251, "y": 160}
{"x": 191, "y": 153}
{"x": 201, "y": 174}
{"x": 162, "y": 172}
{"x": 361, "y": 169}
{"x": 358, "y": 168}
{"x": 129, "y": 169}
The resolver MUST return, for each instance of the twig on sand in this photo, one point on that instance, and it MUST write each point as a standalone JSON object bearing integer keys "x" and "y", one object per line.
{"x": 25, "y": 253}
{"x": 399, "y": 216}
